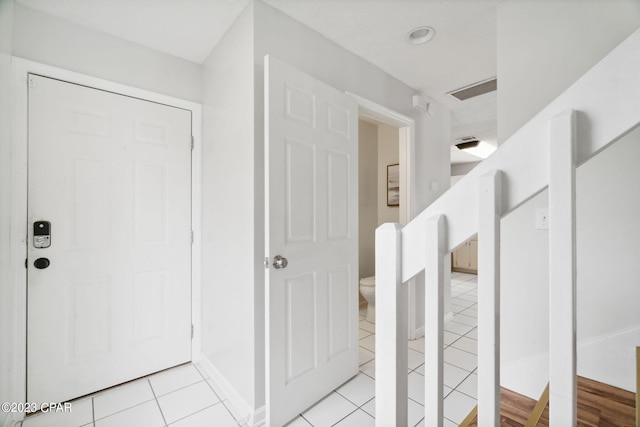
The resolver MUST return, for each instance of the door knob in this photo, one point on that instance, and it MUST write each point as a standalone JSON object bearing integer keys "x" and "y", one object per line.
{"x": 41, "y": 263}
{"x": 280, "y": 262}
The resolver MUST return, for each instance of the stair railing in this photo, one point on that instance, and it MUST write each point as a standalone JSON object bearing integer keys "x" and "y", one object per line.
{"x": 596, "y": 110}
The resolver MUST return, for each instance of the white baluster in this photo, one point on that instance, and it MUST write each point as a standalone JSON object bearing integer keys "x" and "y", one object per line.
{"x": 391, "y": 330}
{"x": 562, "y": 271}
{"x": 489, "y": 213}
{"x": 434, "y": 320}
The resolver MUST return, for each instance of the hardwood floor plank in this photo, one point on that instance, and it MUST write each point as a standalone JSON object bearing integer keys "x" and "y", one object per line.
{"x": 599, "y": 405}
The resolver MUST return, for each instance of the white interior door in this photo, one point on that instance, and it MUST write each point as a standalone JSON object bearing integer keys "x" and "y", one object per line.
{"x": 311, "y": 219}
{"x": 112, "y": 176}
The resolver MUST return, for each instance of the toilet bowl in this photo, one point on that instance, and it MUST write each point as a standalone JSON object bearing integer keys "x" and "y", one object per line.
{"x": 368, "y": 291}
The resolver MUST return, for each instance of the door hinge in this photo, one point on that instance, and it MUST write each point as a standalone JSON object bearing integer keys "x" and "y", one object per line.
{"x": 266, "y": 262}
{"x": 192, "y": 237}
{"x": 192, "y": 333}
{"x": 193, "y": 143}
{"x": 26, "y": 263}
{"x": 31, "y": 81}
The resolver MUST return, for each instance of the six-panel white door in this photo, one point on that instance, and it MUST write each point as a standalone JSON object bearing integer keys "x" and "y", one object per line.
{"x": 112, "y": 174}
{"x": 311, "y": 219}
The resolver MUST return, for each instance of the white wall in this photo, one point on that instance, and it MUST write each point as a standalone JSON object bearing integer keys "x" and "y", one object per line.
{"x": 388, "y": 154}
{"x": 608, "y": 212}
{"x": 228, "y": 209}
{"x": 7, "y": 289}
{"x": 542, "y": 48}
{"x": 461, "y": 169}
{"x": 562, "y": 40}
{"x": 54, "y": 41}
{"x": 367, "y": 195}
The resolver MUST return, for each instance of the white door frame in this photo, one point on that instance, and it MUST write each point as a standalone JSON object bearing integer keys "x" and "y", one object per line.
{"x": 18, "y": 201}
{"x": 407, "y": 128}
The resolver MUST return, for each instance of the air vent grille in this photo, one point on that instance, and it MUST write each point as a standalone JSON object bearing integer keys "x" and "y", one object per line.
{"x": 475, "y": 89}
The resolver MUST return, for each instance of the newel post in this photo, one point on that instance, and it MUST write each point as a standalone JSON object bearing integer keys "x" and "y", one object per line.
{"x": 562, "y": 270}
{"x": 489, "y": 214}
{"x": 391, "y": 330}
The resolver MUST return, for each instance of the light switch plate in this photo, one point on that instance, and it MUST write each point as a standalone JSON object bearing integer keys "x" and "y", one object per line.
{"x": 542, "y": 219}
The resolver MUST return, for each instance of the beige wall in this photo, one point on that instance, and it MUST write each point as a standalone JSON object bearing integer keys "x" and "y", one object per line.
{"x": 367, "y": 195}
{"x": 388, "y": 154}
{"x": 379, "y": 147}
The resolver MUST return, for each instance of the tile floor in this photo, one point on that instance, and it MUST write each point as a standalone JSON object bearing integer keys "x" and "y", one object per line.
{"x": 185, "y": 397}
{"x": 180, "y": 397}
{"x": 353, "y": 404}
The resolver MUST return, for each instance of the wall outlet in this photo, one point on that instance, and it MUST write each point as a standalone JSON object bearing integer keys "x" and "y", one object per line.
{"x": 542, "y": 219}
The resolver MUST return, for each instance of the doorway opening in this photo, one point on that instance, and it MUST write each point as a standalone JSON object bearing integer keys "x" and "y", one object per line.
{"x": 400, "y": 128}
{"x": 378, "y": 196}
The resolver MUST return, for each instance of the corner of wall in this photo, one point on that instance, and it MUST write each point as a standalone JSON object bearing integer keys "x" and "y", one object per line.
{"x": 7, "y": 295}
{"x": 230, "y": 210}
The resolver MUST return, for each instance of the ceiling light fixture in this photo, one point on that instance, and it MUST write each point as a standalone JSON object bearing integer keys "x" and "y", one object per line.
{"x": 421, "y": 35}
{"x": 475, "y": 147}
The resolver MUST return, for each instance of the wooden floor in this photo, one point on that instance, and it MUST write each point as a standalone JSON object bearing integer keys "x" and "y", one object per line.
{"x": 599, "y": 405}
{"x": 514, "y": 409}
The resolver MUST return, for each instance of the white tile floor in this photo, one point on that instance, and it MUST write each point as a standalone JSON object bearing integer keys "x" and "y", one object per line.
{"x": 186, "y": 397}
{"x": 180, "y": 397}
{"x": 353, "y": 404}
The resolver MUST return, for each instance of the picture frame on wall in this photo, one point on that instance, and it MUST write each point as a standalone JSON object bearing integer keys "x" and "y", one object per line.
{"x": 393, "y": 185}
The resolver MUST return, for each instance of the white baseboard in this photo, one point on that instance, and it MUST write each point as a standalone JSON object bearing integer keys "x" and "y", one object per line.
{"x": 609, "y": 359}
{"x": 419, "y": 332}
{"x": 448, "y": 316}
{"x": 260, "y": 417}
{"x": 240, "y": 408}
{"x": 527, "y": 376}
{"x": 10, "y": 419}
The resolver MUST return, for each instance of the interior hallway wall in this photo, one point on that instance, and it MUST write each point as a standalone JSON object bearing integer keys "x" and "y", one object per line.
{"x": 8, "y": 289}
{"x": 55, "y": 41}
{"x": 229, "y": 312}
{"x": 367, "y": 195}
{"x": 549, "y": 45}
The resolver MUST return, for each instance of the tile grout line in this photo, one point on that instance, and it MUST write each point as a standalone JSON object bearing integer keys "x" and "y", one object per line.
{"x": 157, "y": 402}
{"x": 343, "y": 418}
{"x": 198, "y": 411}
{"x": 93, "y": 411}
{"x": 308, "y": 422}
{"x": 122, "y": 410}
{"x": 220, "y": 398}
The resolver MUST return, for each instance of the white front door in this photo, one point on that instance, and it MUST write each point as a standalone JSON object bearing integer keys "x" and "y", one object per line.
{"x": 109, "y": 293}
{"x": 311, "y": 220}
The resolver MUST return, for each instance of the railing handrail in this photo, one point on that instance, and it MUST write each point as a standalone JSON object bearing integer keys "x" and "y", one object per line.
{"x": 609, "y": 91}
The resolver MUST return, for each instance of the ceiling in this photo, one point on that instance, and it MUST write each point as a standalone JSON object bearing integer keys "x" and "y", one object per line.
{"x": 463, "y": 51}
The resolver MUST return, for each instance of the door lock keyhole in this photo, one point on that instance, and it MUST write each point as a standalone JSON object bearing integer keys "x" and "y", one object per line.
{"x": 41, "y": 263}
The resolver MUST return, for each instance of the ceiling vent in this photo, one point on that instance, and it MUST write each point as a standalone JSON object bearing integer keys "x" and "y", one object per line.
{"x": 475, "y": 89}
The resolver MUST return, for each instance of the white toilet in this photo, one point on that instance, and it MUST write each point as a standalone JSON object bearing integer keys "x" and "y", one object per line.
{"x": 368, "y": 291}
